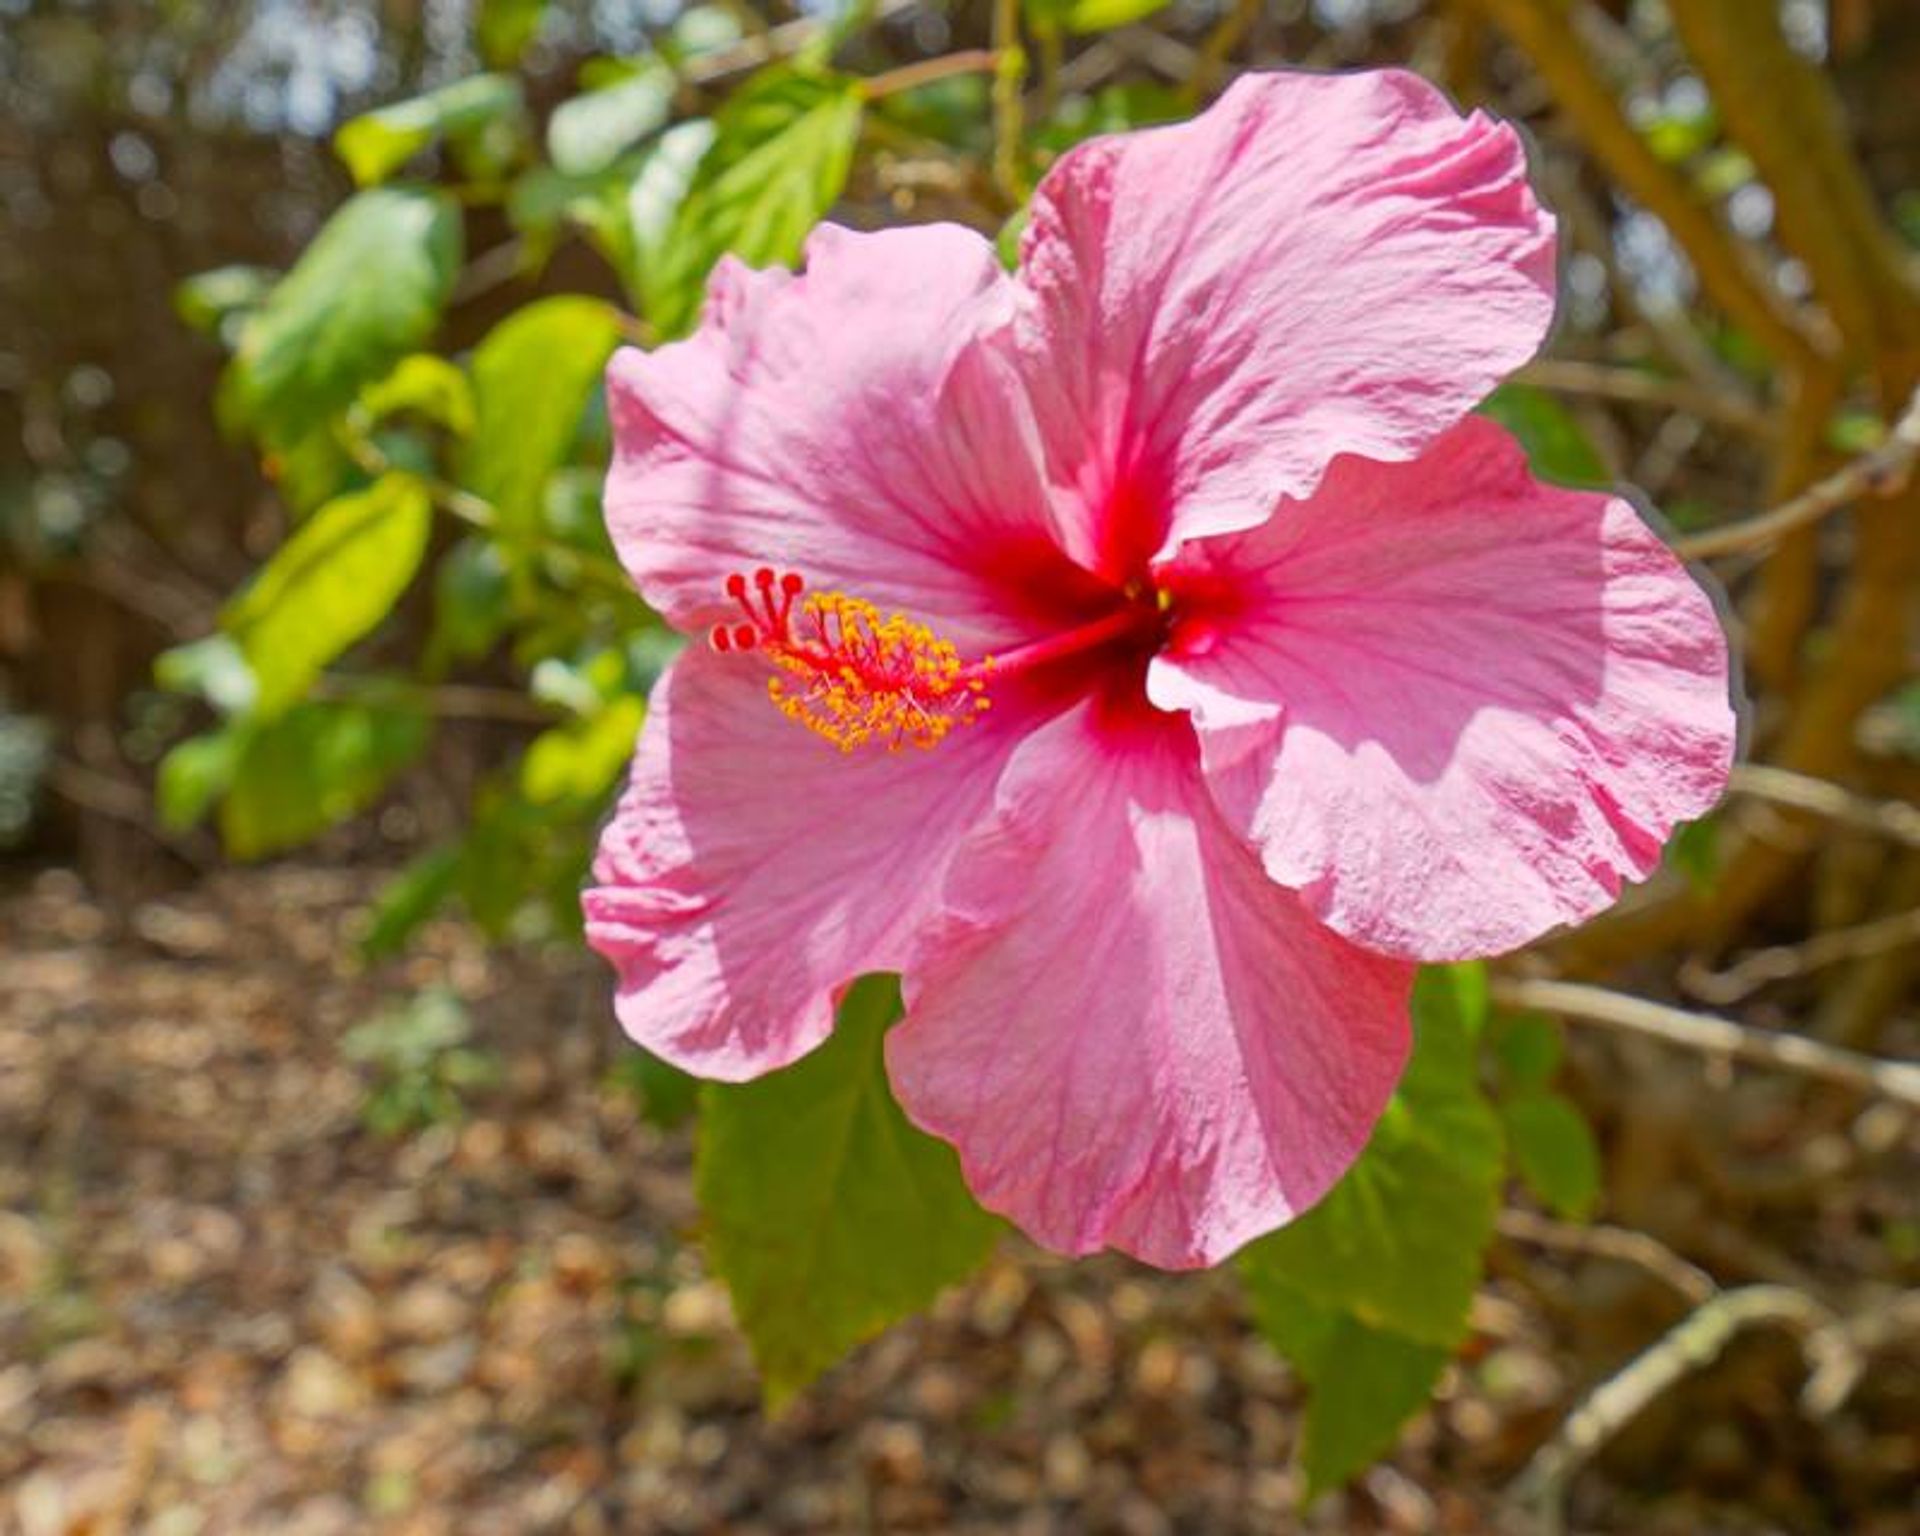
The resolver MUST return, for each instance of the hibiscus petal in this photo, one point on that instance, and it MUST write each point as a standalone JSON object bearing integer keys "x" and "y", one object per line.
{"x": 1453, "y": 706}
{"x": 1133, "y": 1038}
{"x": 1319, "y": 264}
{"x": 752, "y": 869}
{"x": 840, "y": 424}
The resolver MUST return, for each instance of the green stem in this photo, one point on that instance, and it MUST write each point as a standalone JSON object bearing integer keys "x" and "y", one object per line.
{"x": 1009, "y": 77}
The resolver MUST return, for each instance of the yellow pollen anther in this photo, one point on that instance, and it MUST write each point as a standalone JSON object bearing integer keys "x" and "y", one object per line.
{"x": 855, "y": 676}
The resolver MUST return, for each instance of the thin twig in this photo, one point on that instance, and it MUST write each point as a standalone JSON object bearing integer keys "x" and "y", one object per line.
{"x": 1618, "y": 1243}
{"x": 104, "y": 795}
{"x": 1713, "y": 1036}
{"x": 444, "y": 701}
{"x": 1839, "y": 1352}
{"x": 1692, "y": 1344}
{"x": 490, "y": 270}
{"x": 1781, "y": 962}
{"x": 1548, "y": 35}
{"x": 1228, "y": 34}
{"x": 1090, "y": 68}
{"x": 911, "y": 77}
{"x": 1641, "y": 388}
{"x": 1803, "y": 792}
{"x": 775, "y": 43}
{"x": 476, "y": 511}
{"x": 1882, "y": 472}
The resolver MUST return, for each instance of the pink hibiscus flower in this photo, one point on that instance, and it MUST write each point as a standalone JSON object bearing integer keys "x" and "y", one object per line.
{"x": 1147, "y": 656}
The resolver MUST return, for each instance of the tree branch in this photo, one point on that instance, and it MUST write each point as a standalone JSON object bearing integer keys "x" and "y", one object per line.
{"x": 1544, "y": 31}
{"x": 1621, "y": 1244}
{"x": 1009, "y": 77}
{"x": 1802, "y": 792}
{"x": 1638, "y": 387}
{"x": 1899, "y": 1081}
{"x": 1885, "y": 471}
{"x": 1781, "y": 962}
{"x": 911, "y": 77}
{"x": 1693, "y": 1343}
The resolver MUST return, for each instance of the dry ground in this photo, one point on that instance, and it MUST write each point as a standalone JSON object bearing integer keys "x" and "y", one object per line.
{"x": 226, "y": 1306}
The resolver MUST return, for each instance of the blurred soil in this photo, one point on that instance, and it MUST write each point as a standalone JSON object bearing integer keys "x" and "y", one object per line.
{"x": 226, "y": 1306}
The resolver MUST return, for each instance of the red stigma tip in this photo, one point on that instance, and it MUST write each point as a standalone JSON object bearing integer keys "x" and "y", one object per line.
{"x": 719, "y": 639}
{"x": 763, "y": 579}
{"x": 744, "y": 636}
{"x": 791, "y": 584}
{"x": 736, "y": 585}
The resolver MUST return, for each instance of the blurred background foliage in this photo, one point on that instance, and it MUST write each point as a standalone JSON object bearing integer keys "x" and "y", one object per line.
{"x": 303, "y": 310}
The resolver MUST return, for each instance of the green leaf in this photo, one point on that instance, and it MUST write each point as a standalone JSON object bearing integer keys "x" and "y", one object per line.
{"x": 424, "y": 385}
{"x": 581, "y": 759}
{"x": 665, "y": 1096}
{"x": 472, "y": 601}
{"x": 1554, "y": 1151}
{"x": 1526, "y": 1049}
{"x": 368, "y": 291}
{"x": 1090, "y": 15}
{"x": 312, "y": 469}
{"x": 1399, "y": 1241}
{"x": 1557, "y": 446}
{"x": 328, "y": 585}
{"x": 782, "y": 148}
{"x": 828, "y": 1215}
{"x": 1111, "y": 109}
{"x": 408, "y": 900}
{"x": 207, "y": 301}
{"x": 1676, "y": 137}
{"x": 533, "y": 377}
{"x": 214, "y": 668}
{"x": 653, "y": 202}
{"x": 194, "y": 774}
{"x": 504, "y": 29}
{"x": 590, "y": 132}
{"x": 316, "y": 765}
{"x": 703, "y": 29}
{"x": 1366, "y": 1382}
{"x": 541, "y": 202}
{"x": 1694, "y": 850}
{"x": 376, "y": 144}
{"x": 1395, "y": 1251}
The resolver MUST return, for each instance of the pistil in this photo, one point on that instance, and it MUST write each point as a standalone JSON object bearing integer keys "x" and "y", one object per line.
{"x": 854, "y": 676}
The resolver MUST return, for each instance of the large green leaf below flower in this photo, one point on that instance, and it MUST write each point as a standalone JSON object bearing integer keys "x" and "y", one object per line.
{"x": 1368, "y": 1293}
{"x": 828, "y": 1215}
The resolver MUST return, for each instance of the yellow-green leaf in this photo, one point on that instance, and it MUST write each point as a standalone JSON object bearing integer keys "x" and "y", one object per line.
{"x": 1090, "y": 15}
{"x": 376, "y": 144}
{"x": 328, "y": 586}
{"x": 533, "y": 377}
{"x": 423, "y": 385}
{"x": 504, "y": 28}
{"x": 315, "y": 766}
{"x": 581, "y": 759}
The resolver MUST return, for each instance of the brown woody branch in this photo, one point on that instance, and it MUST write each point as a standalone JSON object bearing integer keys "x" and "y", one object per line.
{"x": 1711, "y": 1036}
